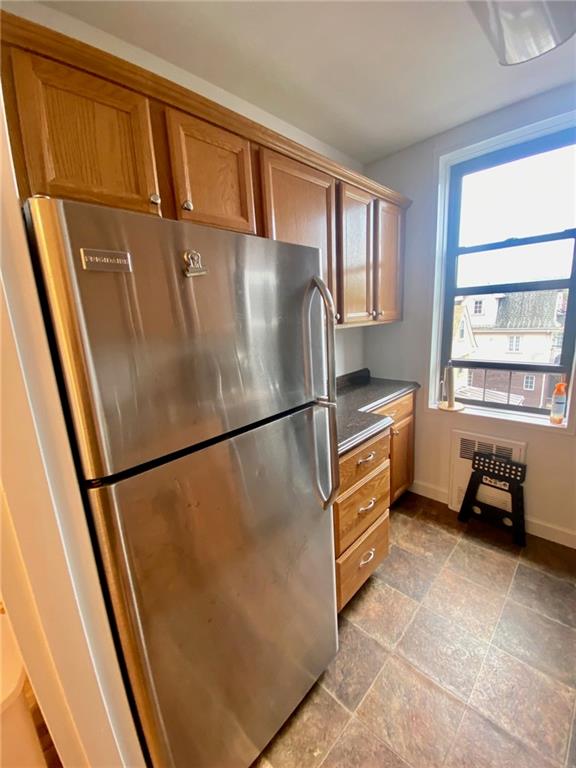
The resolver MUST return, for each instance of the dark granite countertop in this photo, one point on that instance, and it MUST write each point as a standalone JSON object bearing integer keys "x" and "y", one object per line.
{"x": 357, "y": 393}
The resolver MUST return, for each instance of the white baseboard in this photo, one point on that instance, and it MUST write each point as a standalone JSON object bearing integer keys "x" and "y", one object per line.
{"x": 430, "y": 491}
{"x": 537, "y": 527}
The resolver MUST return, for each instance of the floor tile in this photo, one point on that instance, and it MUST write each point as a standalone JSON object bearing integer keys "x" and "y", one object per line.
{"x": 541, "y": 642}
{"x": 382, "y": 612}
{"x": 306, "y": 738}
{"x": 555, "y": 598}
{"x": 487, "y": 568}
{"x": 555, "y": 558}
{"x": 480, "y": 744}
{"x": 355, "y": 667}
{"x": 407, "y": 572}
{"x": 525, "y": 702}
{"x": 441, "y": 516}
{"x": 358, "y": 748}
{"x": 443, "y": 651}
{"x": 492, "y": 537}
{"x": 422, "y": 539}
{"x": 413, "y": 715}
{"x": 473, "y": 607}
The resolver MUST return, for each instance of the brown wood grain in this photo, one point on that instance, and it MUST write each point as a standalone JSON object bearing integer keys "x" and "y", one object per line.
{"x": 351, "y": 573}
{"x": 211, "y": 168}
{"x": 356, "y": 255}
{"x": 388, "y": 261}
{"x": 299, "y": 207}
{"x": 356, "y": 510}
{"x": 84, "y": 138}
{"x": 361, "y": 461}
{"x": 401, "y": 457}
{"x": 397, "y": 409}
{"x": 27, "y": 35}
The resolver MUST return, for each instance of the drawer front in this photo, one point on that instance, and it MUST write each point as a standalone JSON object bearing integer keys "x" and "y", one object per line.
{"x": 360, "y": 462}
{"x": 398, "y": 409}
{"x": 361, "y": 559}
{"x": 355, "y": 512}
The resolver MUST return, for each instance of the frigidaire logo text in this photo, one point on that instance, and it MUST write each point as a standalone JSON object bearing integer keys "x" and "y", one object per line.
{"x": 107, "y": 261}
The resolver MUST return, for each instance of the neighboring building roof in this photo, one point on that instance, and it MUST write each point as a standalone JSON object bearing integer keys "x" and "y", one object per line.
{"x": 533, "y": 309}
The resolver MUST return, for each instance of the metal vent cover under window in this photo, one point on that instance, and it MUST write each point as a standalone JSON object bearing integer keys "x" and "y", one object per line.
{"x": 463, "y": 445}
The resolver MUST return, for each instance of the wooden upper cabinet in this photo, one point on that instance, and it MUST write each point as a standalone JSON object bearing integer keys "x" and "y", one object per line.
{"x": 212, "y": 173}
{"x": 299, "y": 207}
{"x": 84, "y": 138}
{"x": 388, "y": 261}
{"x": 356, "y": 260}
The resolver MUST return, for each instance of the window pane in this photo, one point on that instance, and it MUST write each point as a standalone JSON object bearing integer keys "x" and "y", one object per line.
{"x": 524, "y": 327}
{"x": 514, "y": 199}
{"x": 525, "y": 263}
{"x": 506, "y": 387}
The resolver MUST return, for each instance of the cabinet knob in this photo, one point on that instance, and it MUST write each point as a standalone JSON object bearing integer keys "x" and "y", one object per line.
{"x": 337, "y": 316}
{"x": 155, "y": 198}
{"x": 380, "y": 313}
{"x": 374, "y": 314}
{"x": 396, "y": 432}
{"x": 187, "y": 205}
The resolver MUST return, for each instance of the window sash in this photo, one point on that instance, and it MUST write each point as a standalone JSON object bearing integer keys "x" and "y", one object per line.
{"x": 453, "y": 249}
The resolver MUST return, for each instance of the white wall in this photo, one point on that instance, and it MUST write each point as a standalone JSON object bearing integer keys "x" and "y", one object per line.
{"x": 68, "y": 25}
{"x": 350, "y": 355}
{"x": 402, "y": 350}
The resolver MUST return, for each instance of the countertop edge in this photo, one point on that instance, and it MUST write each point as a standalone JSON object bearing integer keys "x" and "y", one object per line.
{"x": 370, "y": 431}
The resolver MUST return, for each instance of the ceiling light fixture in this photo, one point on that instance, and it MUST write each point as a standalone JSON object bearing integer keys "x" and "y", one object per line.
{"x": 519, "y": 31}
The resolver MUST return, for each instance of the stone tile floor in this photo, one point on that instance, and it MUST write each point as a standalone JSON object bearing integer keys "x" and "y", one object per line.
{"x": 460, "y": 651}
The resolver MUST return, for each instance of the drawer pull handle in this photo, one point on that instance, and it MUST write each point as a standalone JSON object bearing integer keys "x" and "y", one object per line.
{"x": 368, "y": 507}
{"x": 365, "y": 459}
{"x": 395, "y": 432}
{"x": 368, "y": 557}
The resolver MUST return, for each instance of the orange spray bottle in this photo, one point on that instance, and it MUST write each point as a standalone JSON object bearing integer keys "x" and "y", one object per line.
{"x": 558, "y": 408}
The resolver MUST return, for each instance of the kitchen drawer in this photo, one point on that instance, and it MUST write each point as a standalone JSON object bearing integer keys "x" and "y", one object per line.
{"x": 357, "y": 464}
{"x": 356, "y": 510}
{"x": 397, "y": 409}
{"x": 361, "y": 559}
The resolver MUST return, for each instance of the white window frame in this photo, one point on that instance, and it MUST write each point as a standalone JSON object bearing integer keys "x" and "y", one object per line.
{"x": 514, "y": 343}
{"x": 445, "y": 163}
{"x": 480, "y": 303}
{"x": 530, "y": 378}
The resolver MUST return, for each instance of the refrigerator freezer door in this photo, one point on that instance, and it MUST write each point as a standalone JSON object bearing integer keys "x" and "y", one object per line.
{"x": 170, "y": 333}
{"x": 221, "y": 571}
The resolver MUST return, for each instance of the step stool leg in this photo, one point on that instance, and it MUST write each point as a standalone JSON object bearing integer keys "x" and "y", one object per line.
{"x": 469, "y": 497}
{"x": 518, "y": 516}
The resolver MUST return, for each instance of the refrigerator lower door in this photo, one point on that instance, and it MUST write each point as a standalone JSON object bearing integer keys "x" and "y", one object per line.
{"x": 170, "y": 334}
{"x": 221, "y": 572}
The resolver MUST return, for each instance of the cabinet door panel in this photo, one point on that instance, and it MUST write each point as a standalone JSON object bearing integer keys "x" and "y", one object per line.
{"x": 212, "y": 173}
{"x": 299, "y": 207}
{"x": 401, "y": 457}
{"x": 84, "y": 138}
{"x": 388, "y": 261}
{"x": 356, "y": 257}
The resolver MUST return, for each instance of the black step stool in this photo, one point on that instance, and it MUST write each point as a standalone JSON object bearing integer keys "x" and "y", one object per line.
{"x": 504, "y": 475}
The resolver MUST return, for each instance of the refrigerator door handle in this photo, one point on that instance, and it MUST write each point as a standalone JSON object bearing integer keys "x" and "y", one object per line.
{"x": 329, "y": 401}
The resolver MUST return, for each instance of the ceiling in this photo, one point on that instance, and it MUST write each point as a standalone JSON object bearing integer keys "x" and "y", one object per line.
{"x": 369, "y": 78}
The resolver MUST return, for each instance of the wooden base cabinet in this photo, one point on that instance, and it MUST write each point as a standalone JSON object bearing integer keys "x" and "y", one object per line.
{"x": 401, "y": 444}
{"x": 361, "y": 515}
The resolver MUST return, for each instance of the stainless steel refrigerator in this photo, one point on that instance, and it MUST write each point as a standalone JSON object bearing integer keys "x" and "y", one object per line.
{"x": 197, "y": 372}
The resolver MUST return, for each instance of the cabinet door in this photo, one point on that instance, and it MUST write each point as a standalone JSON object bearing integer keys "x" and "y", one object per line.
{"x": 212, "y": 173}
{"x": 401, "y": 457}
{"x": 388, "y": 262}
{"x": 84, "y": 138}
{"x": 356, "y": 262}
{"x": 299, "y": 207}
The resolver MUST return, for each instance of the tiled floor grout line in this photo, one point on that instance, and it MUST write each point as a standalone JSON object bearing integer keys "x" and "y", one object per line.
{"x": 539, "y": 613}
{"x": 571, "y": 734}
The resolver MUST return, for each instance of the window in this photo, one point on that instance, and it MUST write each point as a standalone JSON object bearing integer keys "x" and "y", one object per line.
{"x": 510, "y": 258}
{"x": 529, "y": 382}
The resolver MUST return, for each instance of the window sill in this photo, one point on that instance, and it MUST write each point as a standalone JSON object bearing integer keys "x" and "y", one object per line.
{"x": 534, "y": 420}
